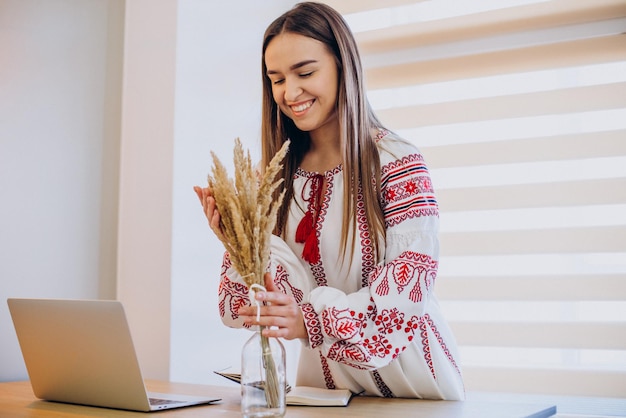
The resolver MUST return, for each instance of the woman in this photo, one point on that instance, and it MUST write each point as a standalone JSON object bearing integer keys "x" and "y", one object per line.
{"x": 355, "y": 250}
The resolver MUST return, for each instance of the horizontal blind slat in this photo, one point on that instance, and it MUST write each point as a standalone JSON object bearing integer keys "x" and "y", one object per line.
{"x": 355, "y": 6}
{"x": 557, "y": 55}
{"x": 565, "y": 240}
{"x": 574, "y": 382}
{"x": 605, "y": 287}
{"x": 582, "y": 335}
{"x": 490, "y": 23}
{"x": 570, "y": 100}
{"x": 558, "y": 147}
{"x": 605, "y": 191}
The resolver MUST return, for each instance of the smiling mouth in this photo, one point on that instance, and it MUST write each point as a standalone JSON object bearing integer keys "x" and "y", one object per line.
{"x": 300, "y": 108}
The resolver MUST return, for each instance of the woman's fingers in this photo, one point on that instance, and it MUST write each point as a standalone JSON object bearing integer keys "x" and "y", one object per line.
{"x": 276, "y": 310}
{"x": 205, "y": 196}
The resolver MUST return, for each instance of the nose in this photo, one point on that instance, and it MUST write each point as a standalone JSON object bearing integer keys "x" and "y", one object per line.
{"x": 292, "y": 90}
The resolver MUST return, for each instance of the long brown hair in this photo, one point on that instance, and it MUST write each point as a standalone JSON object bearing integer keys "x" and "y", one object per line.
{"x": 361, "y": 160}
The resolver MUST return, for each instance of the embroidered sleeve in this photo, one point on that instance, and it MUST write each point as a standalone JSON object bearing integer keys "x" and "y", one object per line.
{"x": 232, "y": 294}
{"x": 284, "y": 268}
{"x": 407, "y": 190}
{"x": 369, "y": 328}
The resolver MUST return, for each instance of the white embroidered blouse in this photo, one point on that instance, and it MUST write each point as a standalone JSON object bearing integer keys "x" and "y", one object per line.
{"x": 374, "y": 326}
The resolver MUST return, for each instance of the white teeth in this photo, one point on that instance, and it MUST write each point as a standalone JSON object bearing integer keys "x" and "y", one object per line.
{"x": 302, "y": 107}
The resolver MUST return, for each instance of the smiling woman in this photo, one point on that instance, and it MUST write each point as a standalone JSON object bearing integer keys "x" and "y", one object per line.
{"x": 355, "y": 250}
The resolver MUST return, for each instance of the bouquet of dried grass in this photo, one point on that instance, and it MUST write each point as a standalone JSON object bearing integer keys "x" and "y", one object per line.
{"x": 247, "y": 218}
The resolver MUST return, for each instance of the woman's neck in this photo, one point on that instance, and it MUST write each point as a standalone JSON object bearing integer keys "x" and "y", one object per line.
{"x": 324, "y": 152}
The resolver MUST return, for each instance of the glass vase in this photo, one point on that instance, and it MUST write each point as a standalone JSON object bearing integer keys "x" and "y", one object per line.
{"x": 262, "y": 377}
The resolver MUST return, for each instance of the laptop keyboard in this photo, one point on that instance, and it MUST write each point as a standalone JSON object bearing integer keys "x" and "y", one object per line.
{"x": 157, "y": 401}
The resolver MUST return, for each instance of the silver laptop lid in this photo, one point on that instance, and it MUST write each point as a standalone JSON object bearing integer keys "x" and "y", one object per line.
{"x": 79, "y": 351}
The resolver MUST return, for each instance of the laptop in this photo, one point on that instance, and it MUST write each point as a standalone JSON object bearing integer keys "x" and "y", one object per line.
{"x": 81, "y": 352}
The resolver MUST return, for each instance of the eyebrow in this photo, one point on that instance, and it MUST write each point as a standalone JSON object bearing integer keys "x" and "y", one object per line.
{"x": 294, "y": 66}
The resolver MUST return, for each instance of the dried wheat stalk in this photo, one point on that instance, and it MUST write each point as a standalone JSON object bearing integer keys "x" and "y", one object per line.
{"x": 247, "y": 210}
{"x": 247, "y": 218}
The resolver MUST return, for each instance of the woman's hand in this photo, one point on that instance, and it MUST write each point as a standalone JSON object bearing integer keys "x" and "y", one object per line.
{"x": 281, "y": 312}
{"x": 209, "y": 208}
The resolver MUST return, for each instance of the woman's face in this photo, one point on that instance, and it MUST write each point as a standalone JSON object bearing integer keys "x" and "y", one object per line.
{"x": 304, "y": 79}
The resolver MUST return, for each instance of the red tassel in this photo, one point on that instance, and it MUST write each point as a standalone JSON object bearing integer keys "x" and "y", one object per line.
{"x": 305, "y": 227}
{"x": 305, "y": 232}
{"x": 311, "y": 251}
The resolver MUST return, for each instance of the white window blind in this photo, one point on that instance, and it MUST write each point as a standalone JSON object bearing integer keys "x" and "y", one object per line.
{"x": 519, "y": 107}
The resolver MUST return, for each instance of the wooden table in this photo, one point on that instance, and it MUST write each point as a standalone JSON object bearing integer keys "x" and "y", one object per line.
{"x": 17, "y": 400}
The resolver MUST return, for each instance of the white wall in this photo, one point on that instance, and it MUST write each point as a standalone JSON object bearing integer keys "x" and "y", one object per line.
{"x": 59, "y": 106}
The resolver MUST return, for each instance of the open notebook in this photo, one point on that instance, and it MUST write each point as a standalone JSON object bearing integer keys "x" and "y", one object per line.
{"x": 81, "y": 351}
{"x": 306, "y": 395}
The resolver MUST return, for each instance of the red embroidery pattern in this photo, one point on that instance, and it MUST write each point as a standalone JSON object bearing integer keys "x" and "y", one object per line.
{"x": 284, "y": 285}
{"x": 381, "y": 134}
{"x": 407, "y": 190}
{"x": 408, "y": 267}
{"x": 344, "y": 326}
{"x": 441, "y": 342}
{"x": 381, "y": 385}
{"x": 351, "y": 354}
{"x": 318, "y": 268}
{"x": 372, "y": 311}
{"x": 416, "y": 213}
{"x": 340, "y": 324}
{"x": 328, "y": 377}
{"x": 411, "y": 326}
{"x": 403, "y": 274}
{"x": 313, "y": 325}
{"x": 424, "y": 323}
{"x": 367, "y": 251}
{"x": 233, "y": 293}
{"x": 378, "y": 346}
{"x": 388, "y": 321}
{"x": 426, "y": 346}
{"x": 380, "y": 274}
